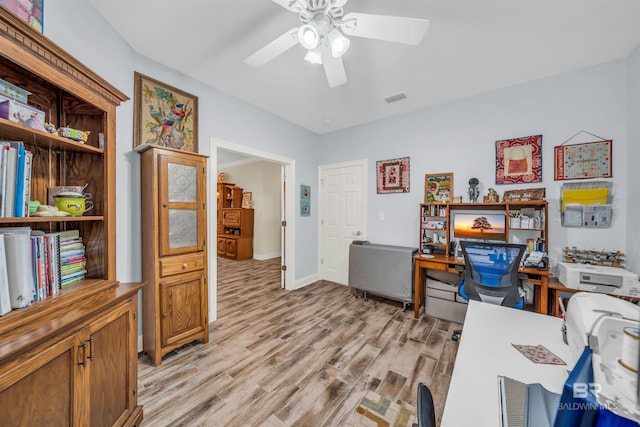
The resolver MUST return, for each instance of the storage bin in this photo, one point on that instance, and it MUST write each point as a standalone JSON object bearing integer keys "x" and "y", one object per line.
{"x": 442, "y": 300}
{"x": 21, "y": 113}
{"x": 14, "y": 92}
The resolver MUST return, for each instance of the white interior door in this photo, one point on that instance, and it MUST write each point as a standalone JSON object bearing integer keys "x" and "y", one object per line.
{"x": 342, "y": 216}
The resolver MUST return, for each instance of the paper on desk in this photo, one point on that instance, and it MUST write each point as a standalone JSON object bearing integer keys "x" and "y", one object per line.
{"x": 539, "y": 354}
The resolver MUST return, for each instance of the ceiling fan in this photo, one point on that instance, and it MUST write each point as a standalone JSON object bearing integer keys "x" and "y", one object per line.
{"x": 321, "y": 33}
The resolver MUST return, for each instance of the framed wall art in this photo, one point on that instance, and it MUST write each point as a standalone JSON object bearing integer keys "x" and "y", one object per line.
{"x": 392, "y": 176}
{"x": 519, "y": 160}
{"x": 438, "y": 188}
{"x": 164, "y": 115}
{"x": 582, "y": 161}
{"x": 305, "y": 200}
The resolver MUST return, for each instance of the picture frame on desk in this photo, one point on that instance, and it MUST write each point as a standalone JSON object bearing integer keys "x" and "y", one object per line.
{"x": 438, "y": 188}
{"x": 246, "y": 200}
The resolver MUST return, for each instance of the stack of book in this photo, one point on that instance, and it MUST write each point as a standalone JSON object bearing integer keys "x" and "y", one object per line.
{"x": 35, "y": 265}
{"x": 15, "y": 179}
{"x": 73, "y": 263}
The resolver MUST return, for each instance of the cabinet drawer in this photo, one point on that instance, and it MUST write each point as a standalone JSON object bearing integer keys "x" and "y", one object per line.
{"x": 181, "y": 264}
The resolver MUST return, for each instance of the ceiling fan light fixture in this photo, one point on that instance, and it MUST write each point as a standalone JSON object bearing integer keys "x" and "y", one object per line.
{"x": 308, "y": 36}
{"x": 338, "y": 42}
{"x": 314, "y": 56}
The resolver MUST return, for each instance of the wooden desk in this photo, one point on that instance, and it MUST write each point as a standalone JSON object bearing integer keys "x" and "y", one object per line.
{"x": 486, "y": 351}
{"x": 555, "y": 287}
{"x": 538, "y": 278}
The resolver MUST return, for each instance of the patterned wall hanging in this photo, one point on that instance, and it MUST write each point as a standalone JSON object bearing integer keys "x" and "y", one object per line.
{"x": 305, "y": 200}
{"x": 582, "y": 161}
{"x": 519, "y": 160}
{"x": 392, "y": 176}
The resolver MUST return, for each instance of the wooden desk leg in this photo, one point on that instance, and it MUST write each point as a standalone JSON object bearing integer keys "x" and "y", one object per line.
{"x": 418, "y": 289}
{"x": 544, "y": 294}
{"x": 555, "y": 307}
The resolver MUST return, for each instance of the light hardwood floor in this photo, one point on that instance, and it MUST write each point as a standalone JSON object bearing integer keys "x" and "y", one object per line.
{"x": 303, "y": 358}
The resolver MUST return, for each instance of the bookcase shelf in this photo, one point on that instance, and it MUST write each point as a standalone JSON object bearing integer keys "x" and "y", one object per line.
{"x": 436, "y": 222}
{"x": 50, "y": 219}
{"x": 17, "y": 131}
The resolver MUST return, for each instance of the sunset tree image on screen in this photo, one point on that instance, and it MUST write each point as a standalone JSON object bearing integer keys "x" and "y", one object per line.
{"x": 482, "y": 226}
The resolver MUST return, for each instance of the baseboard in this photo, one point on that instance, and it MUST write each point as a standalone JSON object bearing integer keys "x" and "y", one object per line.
{"x": 300, "y": 283}
{"x": 139, "y": 343}
{"x": 264, "y": 257}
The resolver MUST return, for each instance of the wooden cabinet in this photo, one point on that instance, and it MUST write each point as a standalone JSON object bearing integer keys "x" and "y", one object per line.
{"x": 228, "y": 196}
{"x": 236, "y": 240}
{"x": 174, "y": 249}
{"x": 235, "y": 224}
{"x": 83, "y": 372}
{"x": 70, "y": 359}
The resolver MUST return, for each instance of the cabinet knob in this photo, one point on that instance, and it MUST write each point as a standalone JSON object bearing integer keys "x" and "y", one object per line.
{"x": 164, "y": 205}
{"x": 184, "y": 265}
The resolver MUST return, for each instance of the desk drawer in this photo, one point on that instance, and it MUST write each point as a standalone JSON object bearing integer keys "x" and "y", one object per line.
{"x": 181, "y": 264}
{"x": 431, "y": 265}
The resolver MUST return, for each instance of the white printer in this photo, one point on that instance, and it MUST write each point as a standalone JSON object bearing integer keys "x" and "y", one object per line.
{"x": 599, "y": 321}
{"x": 597, "y": 278}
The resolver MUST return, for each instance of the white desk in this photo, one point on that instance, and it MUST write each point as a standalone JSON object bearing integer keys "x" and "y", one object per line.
{"x": 486, "y": 351}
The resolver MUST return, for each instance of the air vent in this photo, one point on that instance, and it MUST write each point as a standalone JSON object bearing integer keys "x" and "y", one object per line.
{"x": 395, "y": 98}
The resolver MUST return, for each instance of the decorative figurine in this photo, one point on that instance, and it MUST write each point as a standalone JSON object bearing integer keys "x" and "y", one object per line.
{"x": 493, "y": 196}
{"x": 474, "y": 191}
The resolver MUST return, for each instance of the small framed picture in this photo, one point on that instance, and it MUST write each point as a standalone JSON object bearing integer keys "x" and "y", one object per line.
{"x": 438, "y": 188}
{"x": 246, "y": 200}
{"x": 392, "y": 176}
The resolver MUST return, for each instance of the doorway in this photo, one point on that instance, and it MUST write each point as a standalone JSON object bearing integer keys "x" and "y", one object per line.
{"x": 342, "y": 216}
{"x": 287, "y": 247}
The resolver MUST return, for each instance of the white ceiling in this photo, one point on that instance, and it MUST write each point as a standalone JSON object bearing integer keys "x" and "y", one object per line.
{"x": 471, "y": 47}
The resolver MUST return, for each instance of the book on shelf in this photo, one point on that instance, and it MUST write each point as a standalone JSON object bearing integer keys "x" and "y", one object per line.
{"x": 4, "y": 148}
{"x": 53, "y": 270}
{"x": 38, "y": 263}
{"x": 28, "y": 160}
{"x": 67, "y": 235}
{"x": 72, "y": 260}
{"x": 5, "y": 299}
{"x": 18, "y": 203}
{"x": 72, "y": 268}
{"x": 72, "y": 277}
{"x": 10, "y": 182}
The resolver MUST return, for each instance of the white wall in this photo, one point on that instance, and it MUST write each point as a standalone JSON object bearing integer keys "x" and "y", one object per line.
{"x": 633, "y": 160}
{"x": 457, "y": 137}
{"x": 79, "y": 29}
{"x": 460, "y": 137}
{"x": 262, "y": 179}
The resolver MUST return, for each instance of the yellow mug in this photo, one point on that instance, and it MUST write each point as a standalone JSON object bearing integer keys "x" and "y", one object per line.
{"x": 73, "y": 203}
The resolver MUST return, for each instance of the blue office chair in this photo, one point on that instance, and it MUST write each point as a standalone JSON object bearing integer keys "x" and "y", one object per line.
{"x": 491, "y": 274}
{"x": 426, "y": 413}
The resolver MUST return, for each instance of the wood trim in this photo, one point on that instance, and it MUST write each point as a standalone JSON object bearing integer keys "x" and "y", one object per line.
{"x": 19, "y": 33}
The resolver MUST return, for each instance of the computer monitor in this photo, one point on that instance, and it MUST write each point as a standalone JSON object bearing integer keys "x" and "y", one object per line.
{"x": 481, "y": 226}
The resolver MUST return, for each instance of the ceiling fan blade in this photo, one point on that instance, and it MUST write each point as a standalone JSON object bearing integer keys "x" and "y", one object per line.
{"x": 292, "y": 5}
{"x": 333, "y": 68}
{"x": 382, "y": 27}
{"x": 273, "y": 49}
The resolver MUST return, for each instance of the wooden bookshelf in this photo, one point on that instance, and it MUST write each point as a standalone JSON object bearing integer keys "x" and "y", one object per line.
{"x": 78, "y": 347}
